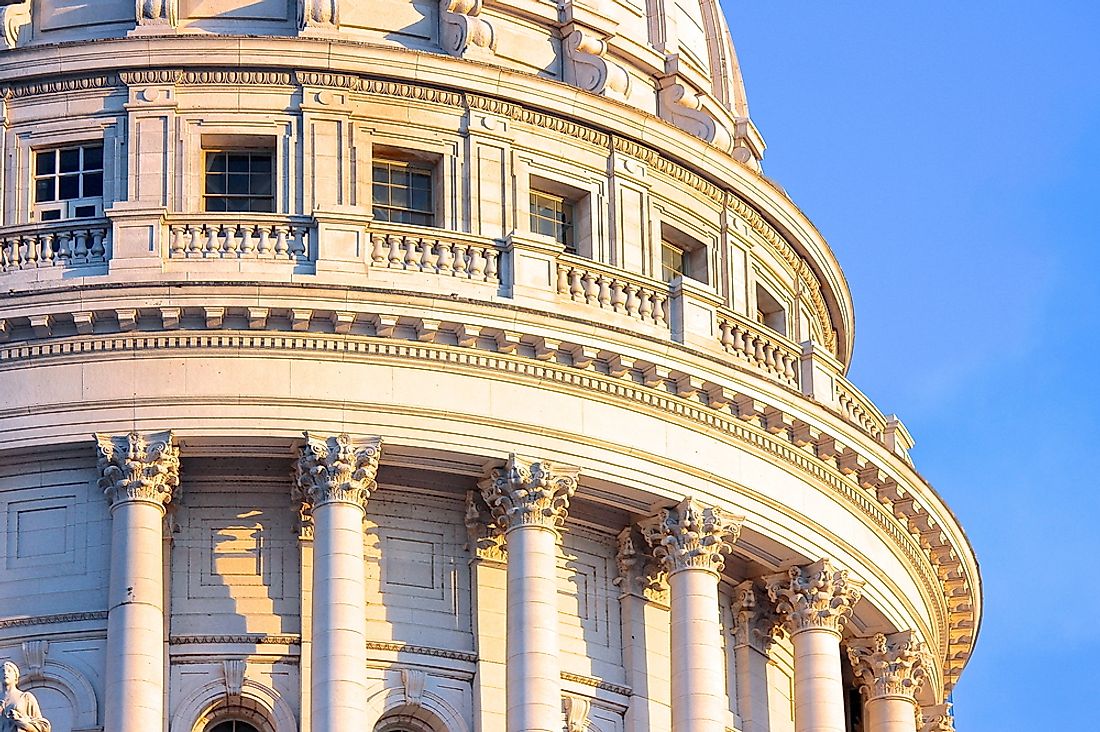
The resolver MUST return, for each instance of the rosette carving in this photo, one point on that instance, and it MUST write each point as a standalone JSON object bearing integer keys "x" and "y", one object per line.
{"x": 692, "y": 536}
{"x": 529, "y": 492}
{"x": 137, "y": 467}
{"x": 463, "y": 32}
{"x": 814, "y": 597}
{"x": 889, "y": 665}
{"x": 158, "y": 12}
{"x": 640, "y": 573}
{"x": 755, "y": 622}
{"x": 15, "y": 22}
{"x": 589, "y": 67}
{"x": 336, "y": 469}
{"x": 318, "y": 14}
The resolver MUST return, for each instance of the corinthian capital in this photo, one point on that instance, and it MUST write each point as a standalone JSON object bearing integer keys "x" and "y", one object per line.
{"x": 889, "y": 665}
{"x": 640, "y": 574}
{"x": 937, "y": 718}
{"x": 528, "y": 492}
{"x": 137, "y": 467}
{"x": 814, "y": 597}
{"x": 755, "y": 621}
{"x": 692, "y": 536}
{"x": 336, "y": 469}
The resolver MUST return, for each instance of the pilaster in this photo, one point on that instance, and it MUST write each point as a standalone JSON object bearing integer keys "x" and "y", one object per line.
{"x": 755, "y": 625}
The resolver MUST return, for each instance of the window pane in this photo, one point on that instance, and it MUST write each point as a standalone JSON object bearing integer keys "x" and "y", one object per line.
{"x": 84, "y": 212}
{"x": 93, "y": 184}
{"x": 260, "y": 184}
{"x": 43, "y": 190}
{"x": 215, "y": 183}
{"x": 381, "y": 214}
{"x": 381, "y": 174}
{"x": 70, "y": 160}
{"x": 44, "y": 162}
{"x": 261, "y": 163}
{"x": 236, "y": 204}
{"x": 68, "y": 187}
{"x": 422, "y": 200}
{"x": 93, "y": 157}
{"x": 238, "y": 163}
{"x": 215, "y": 204}
{"x": 399, "y": 197}
{"x": 215, "y": 163}
{"x": 263, "y": 205}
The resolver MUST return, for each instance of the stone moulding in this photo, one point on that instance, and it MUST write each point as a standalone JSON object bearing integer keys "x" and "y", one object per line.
{"x": 855, "y": 479}
{"x": 545, "y": 121}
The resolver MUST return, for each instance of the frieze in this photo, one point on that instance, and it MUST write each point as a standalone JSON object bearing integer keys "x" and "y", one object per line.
{"x": 244, "y": 639}
{"x": 596, "y": 683}
{"x": 779, "y": 446}
{"x": 237, "y": 77}
{"x": 421, "y": 651}
{"x": 66, "y": 85}
{"x": 53, "y": 619}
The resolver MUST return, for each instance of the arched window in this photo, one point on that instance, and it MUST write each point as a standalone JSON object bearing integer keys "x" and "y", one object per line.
{"x": 233, "y": 725}
{"x": 403, "y": 723}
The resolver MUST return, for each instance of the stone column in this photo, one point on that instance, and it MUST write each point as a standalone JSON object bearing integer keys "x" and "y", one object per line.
{"x": 139, "y": 475}
{"x": 334, "y": 475}
{"x": 815, "y": 601}
{"x": 690, "y": 541}
{"x": 891, "y": 669}
{"x": 529, "y": 500}
{"x": 755, "y": 626}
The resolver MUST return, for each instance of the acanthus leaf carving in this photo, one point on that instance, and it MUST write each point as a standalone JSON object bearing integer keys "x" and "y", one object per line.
{"x": 138, "y": 467}
{"x": 577, "y": 709}
{"x": 937, "y": 718}
{"x": 336, "y": 469}
{"x": 889, "y": 665}
{"x": 486, "y": 540}
{"x": 588, "y": 65}
{"x": 755, "y": 622}
{"x": 464, "y": 33}
{"x": 15, "y": 22}
{"x": 530, "y": 492}
{"x": 158, "y": 12}
{"x": 318, "y": 14}
{"x": 640, "y": 573}
{"x": 814, "y": 597}
{"x": 692, "y": 536}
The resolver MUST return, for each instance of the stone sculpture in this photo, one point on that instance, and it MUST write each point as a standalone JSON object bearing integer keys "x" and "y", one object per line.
{"x": 19, "y": 710}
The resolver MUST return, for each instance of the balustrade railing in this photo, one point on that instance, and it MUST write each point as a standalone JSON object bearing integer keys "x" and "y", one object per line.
{"x": 583, "y": 280}
{"x": 235, "y": 236}
{"x": 53, "y": 245}
{"x": 442, "y": 253}
{"x": 768, "y": 352}
{"x": 858, "y": 409}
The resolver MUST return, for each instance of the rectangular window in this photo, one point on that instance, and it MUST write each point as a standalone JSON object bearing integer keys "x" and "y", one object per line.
{"x": 403, "y": 193}
{"x": 239, "y": 180}
{"x": 69, "y": 174}
{"x": 553, "y": 216}
{"x": 675, "y": 262}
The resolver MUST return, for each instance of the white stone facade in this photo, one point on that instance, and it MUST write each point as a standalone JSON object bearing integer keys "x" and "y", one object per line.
{"x": 438, "y": 367}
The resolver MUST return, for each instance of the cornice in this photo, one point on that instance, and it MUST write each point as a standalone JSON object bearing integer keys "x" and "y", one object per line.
{"x": 850, "y": 476}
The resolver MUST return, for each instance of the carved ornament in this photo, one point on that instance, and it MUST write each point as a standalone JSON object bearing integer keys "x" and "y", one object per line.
{"x": 692, "y": 536}
{"x": 889, "y": 665}
{"x": 755, "y": 622}
{"x": 684, "y": 107}
{"x": 530, "y": 492}
{"x": 137, "y": 467}
{"x": 15, "y": 22}
{"x": 937, "y": 718}
{"x": 640, "y": 573}
{"x": 336, "y": 469}
{"x": 589, "y": 67}
{"x": 576, "y": 710}
{"x": 158, "y": 12}
{"x": 814, "y": 597}
{"x": 318, "y": 14}
{"x": 464, "y": 33}
{"x": 486, "y": 540}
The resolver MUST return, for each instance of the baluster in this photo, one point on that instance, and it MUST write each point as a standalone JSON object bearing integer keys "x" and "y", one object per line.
{"x": 491, "y": 271}
{"x": 191, "y": 240}
{"x": 175, "y": 249}
{"x": 576, "y": 287}
{"x": 618, "y": 296}
{"x": 263, "y": 245}
{"x": 378, "y": 250}
{"x": 739, "y": 344}
{"x": 446, "y": 260}
{"x": 77, "y": 244}
{"x": 226, "y": 235}
{"x": 605, "y": 291}
{"x": 98, "y": 249}
{"x": 247, "y": 242}
{"x": 660, "y": 301}
{"x": 563, "y": 279}
{"x": 64, "y": 241}
{"x": 726, "y": 338}
{"x": 645, "y": 310}
{"x": 759, "y": 352}
{"x": 31, "y": 260}
{"x": 426, "y": 255}
{"x": 462, "y": 265}
{"x": 769, "y": 356}
{"x": 282, "y": 247}
{"x": 591, "y": 289}
{"x": 633, "y": 303}
{"x": 6, "y": 258}
{"x": 299, "y": 242}
{"x": 395, "y": 255}
{"x": 477, "y": 263}
{"x": 412, "y": 253}
{"x": 45, "y": 246}
{"x": 788, "y": 368}
{"x": 210, "y": 248}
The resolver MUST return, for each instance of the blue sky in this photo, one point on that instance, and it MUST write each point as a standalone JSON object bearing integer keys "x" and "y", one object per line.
{"x": 949, "y": 153}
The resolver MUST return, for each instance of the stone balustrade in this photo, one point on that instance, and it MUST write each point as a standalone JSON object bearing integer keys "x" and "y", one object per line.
{"x": 53, "y": 245}
{"x": 236, "y": 236}
{"x": 587, "y": 281}
{"x": 768, "y": 352}
{"x": 858, "y": 409}
{"x": 446, "y": 253}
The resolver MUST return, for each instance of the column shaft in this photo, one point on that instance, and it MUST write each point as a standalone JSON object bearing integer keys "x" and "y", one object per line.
{"x": 698, "y": 693}
{"x": 534, "y": 666}
{"x": 890, "y": 714}
{"x": 339, "y": 657}
{"x": 134, "y": 682}
{"x": 818, "y": 687}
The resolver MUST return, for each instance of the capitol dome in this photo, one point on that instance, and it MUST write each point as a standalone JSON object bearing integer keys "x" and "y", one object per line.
{"x": 437, "y": 366}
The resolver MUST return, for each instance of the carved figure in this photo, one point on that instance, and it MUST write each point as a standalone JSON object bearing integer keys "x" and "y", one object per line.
{"x": 19, "y": 710}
